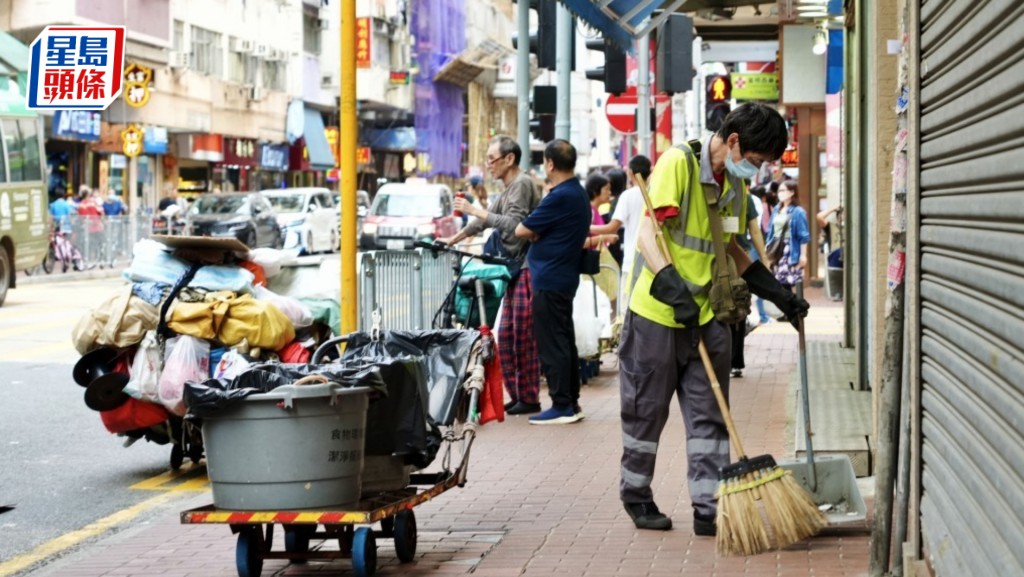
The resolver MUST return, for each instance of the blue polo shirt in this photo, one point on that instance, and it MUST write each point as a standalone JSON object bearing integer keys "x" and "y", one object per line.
{"x": 562, "y": 223}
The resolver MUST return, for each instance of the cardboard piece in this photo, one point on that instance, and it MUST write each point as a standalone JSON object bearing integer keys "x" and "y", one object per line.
{"x": 202, "y": 242}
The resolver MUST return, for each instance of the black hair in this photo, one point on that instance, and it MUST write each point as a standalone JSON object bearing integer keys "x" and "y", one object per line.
{"x": 641, "y": 166}
{"x": 562, "y": 155}
{"x": 757, "y": 190}
{"x": 595, "y": 182}
{"x": 761, "y": 128}
{"x": 617, "y": 178}
{"x": 507, "y": 146}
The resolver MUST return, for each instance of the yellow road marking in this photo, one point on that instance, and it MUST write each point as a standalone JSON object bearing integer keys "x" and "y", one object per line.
{"x": 39, "y": 351}
{"x": 73, "y": 538}
{"x": 161, "y": 481}
{"x": 21, "y": 330}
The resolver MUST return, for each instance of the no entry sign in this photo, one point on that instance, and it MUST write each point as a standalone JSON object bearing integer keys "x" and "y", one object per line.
{"x": 621, "y": 111}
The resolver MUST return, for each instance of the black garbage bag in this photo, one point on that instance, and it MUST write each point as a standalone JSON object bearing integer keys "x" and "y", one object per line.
{"x": 446, "y": 357}
{"x": 214, "y": 395}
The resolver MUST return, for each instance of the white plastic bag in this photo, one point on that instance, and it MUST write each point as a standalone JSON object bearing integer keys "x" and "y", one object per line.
{"x": 590, "y": 319}
{"x": 145, "y": 372}
{"x": 298, "y": 313}
{"x": 189, "y": 360}
{"x": 231, "y": 364}
{"x": 271, "y": 259}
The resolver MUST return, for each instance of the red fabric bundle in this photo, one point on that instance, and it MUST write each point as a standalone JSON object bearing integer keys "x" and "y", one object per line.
{"x": 492, "y": 402}
{"x": 294, "y": 352}
{"x": 133, "y": 414}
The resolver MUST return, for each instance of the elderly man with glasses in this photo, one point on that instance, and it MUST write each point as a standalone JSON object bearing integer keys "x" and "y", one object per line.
{"x": 517, "y": 348}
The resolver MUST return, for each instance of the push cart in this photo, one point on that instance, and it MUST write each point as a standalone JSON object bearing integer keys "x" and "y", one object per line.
{"x": 352, "y": 527}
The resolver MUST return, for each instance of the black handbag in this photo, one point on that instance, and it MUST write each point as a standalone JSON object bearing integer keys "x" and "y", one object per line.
{"x": 590, "y": 262}
{"x": 777, "y": 246}
{"x": 494, "y": 247}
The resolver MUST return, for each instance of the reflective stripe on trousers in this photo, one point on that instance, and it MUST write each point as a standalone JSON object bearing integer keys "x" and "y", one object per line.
{"x": 656, "y": 362}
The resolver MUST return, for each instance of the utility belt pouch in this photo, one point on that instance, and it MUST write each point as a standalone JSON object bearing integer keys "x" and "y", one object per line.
{"x": 729, "y": 295}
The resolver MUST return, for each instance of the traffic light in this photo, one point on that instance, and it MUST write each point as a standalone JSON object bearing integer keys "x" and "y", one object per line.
{"x": 716, "y": 101}
{"x": 544, "y": 105}
{"x": 613, "y": 73}
{"x": 674, "y": 58}
{"x": 542, "y": 127}
{"x": 542, "y": 41}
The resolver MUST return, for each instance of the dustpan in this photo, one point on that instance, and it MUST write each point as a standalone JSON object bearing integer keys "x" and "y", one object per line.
{"x": 829, "y": 479}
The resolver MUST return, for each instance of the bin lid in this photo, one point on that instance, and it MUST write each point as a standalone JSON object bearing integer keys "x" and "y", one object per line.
{"x": 287, "y": 393}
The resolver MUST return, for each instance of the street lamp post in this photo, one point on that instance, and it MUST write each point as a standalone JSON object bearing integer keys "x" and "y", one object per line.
{"x": 347, "y": 155}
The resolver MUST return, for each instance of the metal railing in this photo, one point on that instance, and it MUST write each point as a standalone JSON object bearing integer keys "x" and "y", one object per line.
{"x": 407, "y": 287}
{"x": 104, "y": 241}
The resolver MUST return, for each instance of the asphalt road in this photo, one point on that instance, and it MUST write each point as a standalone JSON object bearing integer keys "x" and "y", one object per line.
{"x": 68, "y": 479}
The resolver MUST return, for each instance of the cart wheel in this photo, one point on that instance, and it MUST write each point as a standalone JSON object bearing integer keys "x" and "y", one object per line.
{"x": 249, "y": 553}
{"x": 364, "y": 552}
{"x": 296, "y": 540}
{"x": 405, "y": 536}
{"x": 195, "y": 452}
{"x": 177, "y": 456}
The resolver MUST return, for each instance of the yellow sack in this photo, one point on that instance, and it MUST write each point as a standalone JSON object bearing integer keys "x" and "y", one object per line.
{"x": 120, "y": 321}
{"x": 201, "y": 320}
{"x": 260, "y": 323}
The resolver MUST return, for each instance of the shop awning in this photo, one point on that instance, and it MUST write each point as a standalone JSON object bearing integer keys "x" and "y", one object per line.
{"x": 622, "y": 21}
{"x": 400, "y": 139}
{"x": 306, "y": 123}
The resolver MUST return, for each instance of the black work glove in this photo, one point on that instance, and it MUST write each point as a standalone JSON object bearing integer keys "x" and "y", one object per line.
{"x": 764, "y": 284}
{"x": 669, "y": 288}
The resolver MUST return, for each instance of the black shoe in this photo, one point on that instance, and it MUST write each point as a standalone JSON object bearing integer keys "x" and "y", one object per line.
{"x": 704, "y": 525}
{"x": 510, "y": 404}
{"x": 647, "y": 516}
{"x": 522, "y": 408}
{"x": 736, "y": 373}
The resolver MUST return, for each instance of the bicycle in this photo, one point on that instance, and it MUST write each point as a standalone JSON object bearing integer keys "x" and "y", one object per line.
{"x": 64, "y": 251}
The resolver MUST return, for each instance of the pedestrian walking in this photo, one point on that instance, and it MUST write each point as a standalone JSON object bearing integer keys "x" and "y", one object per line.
{"x": 789, "y": 224}
{"x": 557, "y": 230}
{"x": 670, "y": 311}
{"x": 90, "y": 208}
{"x": 517, "y": 348}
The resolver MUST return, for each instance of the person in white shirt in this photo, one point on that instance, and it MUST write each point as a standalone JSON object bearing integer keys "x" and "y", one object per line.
{"x": 629, "y": 210}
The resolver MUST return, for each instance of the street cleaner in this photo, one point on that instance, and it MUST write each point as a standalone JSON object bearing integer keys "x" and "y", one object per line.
{"x": 701, "y": 203}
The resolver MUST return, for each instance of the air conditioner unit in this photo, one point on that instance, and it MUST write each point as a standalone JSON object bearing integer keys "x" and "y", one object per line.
{"x": 323, "y": 12}
{"x": 323, "y": 23}
{"x": 242, "y": 45}
{"x": 255, "y": 93}
{"x": 261, "y": 50}
{"x": 327, "y": 80}
{"x": 381, "y": 26}
{"x": 179, "y": 60}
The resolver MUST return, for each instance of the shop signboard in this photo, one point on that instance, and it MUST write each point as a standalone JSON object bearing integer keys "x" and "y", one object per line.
{"x": 363, "y": 155}
{"x": 755, "y": 86}
{"x": 201, "y": 146}
{"x": 333, "y": 138}
{"x": 131, "y": 140}
{"x": 155, "y": 141}
{"x": 241, "y": 152}
{"x": 77, "y": 125}
{"x": 274, "y": 157}
{"x": 364, "y": 38}
{"x": 76, "y": 67}
{"x": 136, "y": 84}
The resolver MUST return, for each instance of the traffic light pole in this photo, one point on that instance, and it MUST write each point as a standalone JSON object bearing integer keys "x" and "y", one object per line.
{"x": 563, "y": 65}
{"x": 523, "y": 81}
{"x": 643, "y": 96}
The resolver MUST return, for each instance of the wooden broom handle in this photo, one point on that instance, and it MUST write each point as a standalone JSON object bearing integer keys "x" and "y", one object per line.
{"x": 723, "y": 405}
{"x": 704, "y": 357}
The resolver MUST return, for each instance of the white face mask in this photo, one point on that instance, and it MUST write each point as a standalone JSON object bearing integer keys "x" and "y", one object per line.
{"x": 742, "y": 169}
{"x": 785, "y": 195}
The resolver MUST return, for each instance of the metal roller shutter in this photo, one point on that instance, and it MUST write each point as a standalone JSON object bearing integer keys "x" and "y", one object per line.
{"x": 972, "y": 265}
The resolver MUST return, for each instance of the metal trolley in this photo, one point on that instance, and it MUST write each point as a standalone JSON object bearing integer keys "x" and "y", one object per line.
{"x": 357, "y": 540}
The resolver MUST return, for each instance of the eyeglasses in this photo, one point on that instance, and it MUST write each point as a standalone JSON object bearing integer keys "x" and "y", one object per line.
{"x": 492, "y": 160}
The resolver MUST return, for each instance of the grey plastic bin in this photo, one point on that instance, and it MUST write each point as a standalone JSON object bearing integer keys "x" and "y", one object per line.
{"x": 296, "y": 447}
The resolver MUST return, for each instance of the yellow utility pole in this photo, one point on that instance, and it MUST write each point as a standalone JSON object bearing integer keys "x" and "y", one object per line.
{"x": 347, "y": 155}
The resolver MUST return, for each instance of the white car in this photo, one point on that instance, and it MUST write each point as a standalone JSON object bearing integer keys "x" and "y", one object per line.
{"x": 308, "y": 218}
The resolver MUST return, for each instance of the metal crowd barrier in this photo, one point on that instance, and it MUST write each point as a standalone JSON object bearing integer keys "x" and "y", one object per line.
{"x": 105, "y": 241}
{"x": 406, "y": 287}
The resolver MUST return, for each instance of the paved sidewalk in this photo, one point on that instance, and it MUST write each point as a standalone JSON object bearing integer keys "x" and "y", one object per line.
{"x": 542, "y": 501}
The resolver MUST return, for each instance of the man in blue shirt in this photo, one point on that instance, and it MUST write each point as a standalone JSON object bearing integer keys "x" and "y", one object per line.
{"x": 557, "y": 229}
{"x": 61, "y": 211}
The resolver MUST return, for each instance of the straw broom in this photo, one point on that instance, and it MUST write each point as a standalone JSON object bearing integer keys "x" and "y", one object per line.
{"x": 760, "y": 506}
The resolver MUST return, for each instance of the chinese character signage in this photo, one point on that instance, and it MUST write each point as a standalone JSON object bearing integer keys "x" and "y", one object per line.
{"x": 363, "y": 155}
{"x": 136, "y": 84}
{"x": 364, "y": 33}
{"x": 76, "y": 68}
{"x": 333, "y": 139}
{"x": 755, "y": 86}
{"x": 131, "y": 141}
{"x": 241, "y": 152}
{"x": 77, "y": 125}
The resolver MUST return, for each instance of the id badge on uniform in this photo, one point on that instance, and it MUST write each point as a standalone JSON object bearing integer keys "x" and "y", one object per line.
{"x": 731, "y": 224}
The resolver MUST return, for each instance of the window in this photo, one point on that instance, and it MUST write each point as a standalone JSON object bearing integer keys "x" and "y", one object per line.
{"x": 179, "y": 36}
{"x": 274, "y": 75}
{"x": 236, "y": 67}
{"x": 310, "y": 33}
{"x": 22, "y": 142}
{"x": 207, "y": 52}
{"x": 381, "y": 46}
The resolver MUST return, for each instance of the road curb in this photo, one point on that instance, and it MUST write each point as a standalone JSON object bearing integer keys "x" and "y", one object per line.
{"x": 43, "y": 278}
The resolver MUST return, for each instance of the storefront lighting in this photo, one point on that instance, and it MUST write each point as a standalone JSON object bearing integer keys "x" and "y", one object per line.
{"x": 820, "y": 45}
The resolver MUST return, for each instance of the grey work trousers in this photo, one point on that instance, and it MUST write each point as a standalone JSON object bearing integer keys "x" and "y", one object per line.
{"x": 656, "y": 361}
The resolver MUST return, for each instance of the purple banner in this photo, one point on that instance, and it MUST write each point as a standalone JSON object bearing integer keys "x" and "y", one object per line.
{"x": 440, "y": 30}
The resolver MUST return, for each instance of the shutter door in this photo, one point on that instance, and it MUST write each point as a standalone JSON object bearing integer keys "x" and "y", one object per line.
{"x": 972, "y": 286}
